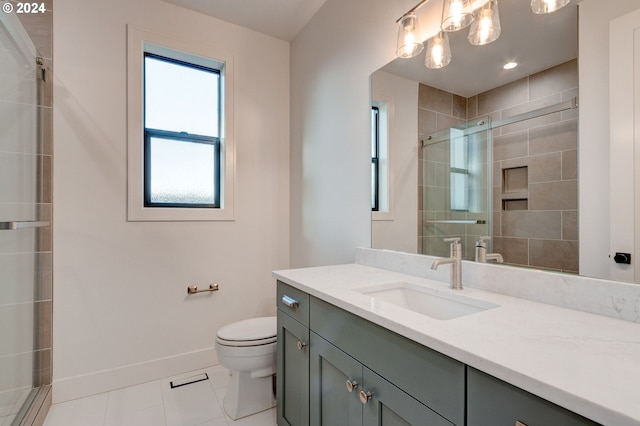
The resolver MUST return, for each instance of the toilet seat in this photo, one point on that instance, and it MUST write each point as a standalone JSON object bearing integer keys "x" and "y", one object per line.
{"x": 251, "y": 332}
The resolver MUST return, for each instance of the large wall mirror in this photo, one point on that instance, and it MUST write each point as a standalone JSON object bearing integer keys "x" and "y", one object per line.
{"x": 475, "y": 150}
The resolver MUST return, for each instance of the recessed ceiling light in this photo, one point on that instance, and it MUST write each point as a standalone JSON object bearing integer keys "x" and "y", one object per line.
{"x": 510, "y": 65}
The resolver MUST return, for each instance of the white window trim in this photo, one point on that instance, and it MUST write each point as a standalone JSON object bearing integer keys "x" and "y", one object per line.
{"x": 139, "y": 41}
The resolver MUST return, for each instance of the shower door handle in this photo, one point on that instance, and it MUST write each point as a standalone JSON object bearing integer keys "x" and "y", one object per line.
{"x": 22, "y": 224}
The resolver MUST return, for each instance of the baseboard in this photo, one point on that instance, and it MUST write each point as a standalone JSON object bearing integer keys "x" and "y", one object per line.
{"x": 76, "y": 387}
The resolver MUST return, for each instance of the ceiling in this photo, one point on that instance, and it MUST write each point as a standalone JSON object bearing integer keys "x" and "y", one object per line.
{"x": 282, "y": 19}
{"x": 536, "y": 42}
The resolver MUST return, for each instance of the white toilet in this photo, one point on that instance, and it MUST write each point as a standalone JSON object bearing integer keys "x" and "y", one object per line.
{"x": 248, "y": 349}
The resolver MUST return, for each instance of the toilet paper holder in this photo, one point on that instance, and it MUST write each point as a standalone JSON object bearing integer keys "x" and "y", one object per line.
{"x": 193, "y": 289}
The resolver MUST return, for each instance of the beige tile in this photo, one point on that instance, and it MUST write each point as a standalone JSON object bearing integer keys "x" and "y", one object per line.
{"x": 555, "y": 254}
{"x": 45, "y": 88}
{"x": 554, "y": 80}
{"x": 532, "y": 122}
{"x": 472, "y": 107}
{"x": 434, "y": 246}
{"x": 435, "y": 199}
{"x": 497, "y": 224}
{"x": 570, "y": 164}
{"x": 435, "y": 99}
{"x": 44, "y": 181}
{"x": 545, "y": 168}
{"x": 46, "y": 142}
{"x": 506, "y": 96}
{"x": 510, "y": 146}
{"x": 515, "y": 251}
{"x": 532, "y": 224}
{"x": 459, "y": 108}
{"x": 43, "y": 311}
{"x": 426, "y": 122}
{"x": 437, "y": 152}
{"x": 496, "y": 196}
{"x": 570, "y": 225}
{"x": 560, "y": 195}
{"x": 554, "y": 137}
{"x": 39, "y": 26}
{"x": 570, "y": 114}
{"x": 44, "y": 290}
{"x": 445, "y": 121}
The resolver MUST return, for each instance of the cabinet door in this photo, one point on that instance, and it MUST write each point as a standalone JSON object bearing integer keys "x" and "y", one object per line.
{"x": 292, "y": 379}
{"x": 491, "y": 401}
{"x": 335, "y": 380}
{"x": 387, "y": 405}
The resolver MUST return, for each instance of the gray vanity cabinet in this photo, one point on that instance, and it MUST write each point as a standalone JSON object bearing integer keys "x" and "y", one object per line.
{"x": 346, "y": 393}
{"x": 491, "y": 401}
{"x": 338, "y": 369}
{"x": 292, "y": 378}
{"x": 394, "y": 380}
{"x": 335, "y": 379}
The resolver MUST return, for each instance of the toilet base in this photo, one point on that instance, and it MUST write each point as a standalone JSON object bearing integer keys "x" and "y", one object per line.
{"x": 248, "y": 395}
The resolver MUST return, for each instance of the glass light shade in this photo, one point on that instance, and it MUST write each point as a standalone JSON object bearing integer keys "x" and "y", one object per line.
{"x": 438, "y": 51}
{"x": 456, "y": 15}
{"x": 547, "y": 6}
{"x": 485, "y": 28}
{"x": 409, "y": 42}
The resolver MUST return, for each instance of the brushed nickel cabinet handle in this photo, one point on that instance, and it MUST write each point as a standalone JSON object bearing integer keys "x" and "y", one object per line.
{"x": 290, "y": 302}
{"x": 301, "y": 345}
{"x": 364, "y": 397}
{"x": 351, "y": 385}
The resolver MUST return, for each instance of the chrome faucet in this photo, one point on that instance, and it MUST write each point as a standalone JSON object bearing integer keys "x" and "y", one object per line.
{"x": 481, "y": 252}
{"x": 455, "y": 260}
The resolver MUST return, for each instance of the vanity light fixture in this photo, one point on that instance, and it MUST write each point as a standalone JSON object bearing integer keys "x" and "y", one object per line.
{"x": 409, "y": 37}
{"x": 456, "y": 15}
{"x": 438, "y": 51}
{"x": 547, "y": 6}
{"x": 485, "y": 28}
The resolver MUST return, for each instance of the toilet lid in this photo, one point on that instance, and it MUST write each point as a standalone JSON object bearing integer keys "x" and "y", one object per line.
{"x": 254, "y": 331}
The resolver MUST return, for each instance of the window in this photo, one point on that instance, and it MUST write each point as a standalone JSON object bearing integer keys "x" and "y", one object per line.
{"x": 459, "y": 170}
{"x": 181, "y": 152}
{"x": 375, "y": 157}
{"x": 380, "y": 172}
{"x": 181, "y": 134}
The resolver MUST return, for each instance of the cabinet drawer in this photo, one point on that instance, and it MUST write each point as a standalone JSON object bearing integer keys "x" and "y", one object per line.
{"x": 490, "y": 401}
{"x": 432, "y": 378}
{"x": 293, "y": 302}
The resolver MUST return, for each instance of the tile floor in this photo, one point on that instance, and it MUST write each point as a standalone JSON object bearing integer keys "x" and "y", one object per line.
{"x": 156, "y": 404}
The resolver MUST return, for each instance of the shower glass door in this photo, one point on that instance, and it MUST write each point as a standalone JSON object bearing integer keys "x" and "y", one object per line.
{"x": 22, "y": 254}
{"x": 455, "y": 189}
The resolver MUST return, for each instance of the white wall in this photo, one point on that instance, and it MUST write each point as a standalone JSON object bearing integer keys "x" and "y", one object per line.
{"x": 594, "y": 191}
{"x": 121, "y": 311}
{"x": 331, "y": 61}
{"x": 398, "y": 230}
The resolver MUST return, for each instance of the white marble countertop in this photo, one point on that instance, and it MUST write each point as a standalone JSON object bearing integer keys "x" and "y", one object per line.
{"x": 587, "y": 363}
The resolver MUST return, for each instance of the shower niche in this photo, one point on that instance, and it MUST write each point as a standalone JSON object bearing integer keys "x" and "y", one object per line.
{"x": 515, "y": 188}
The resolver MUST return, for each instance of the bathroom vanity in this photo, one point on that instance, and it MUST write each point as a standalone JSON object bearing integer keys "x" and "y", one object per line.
{"x": 352, "y": 351}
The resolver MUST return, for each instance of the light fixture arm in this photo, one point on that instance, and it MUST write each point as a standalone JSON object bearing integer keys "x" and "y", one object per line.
{"x": 413, "y": 9}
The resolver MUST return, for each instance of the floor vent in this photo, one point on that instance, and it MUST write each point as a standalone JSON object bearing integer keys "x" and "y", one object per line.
{"x": 184, "y": 381}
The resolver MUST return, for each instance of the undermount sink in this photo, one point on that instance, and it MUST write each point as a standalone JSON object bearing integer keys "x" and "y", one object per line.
{"x": 435, "y": 303}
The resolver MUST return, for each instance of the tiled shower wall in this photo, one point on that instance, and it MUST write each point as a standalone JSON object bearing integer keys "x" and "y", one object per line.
{"x": 25, "y": 195}
{"x": 39, "y": 26}
{"x": 535, "y": 217}
{"x": 438, "y": 111}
